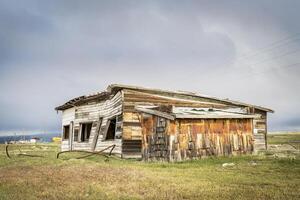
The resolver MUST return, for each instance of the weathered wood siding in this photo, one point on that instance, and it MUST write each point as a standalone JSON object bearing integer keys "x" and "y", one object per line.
{"x": 132, "y": 135}
{"x": 188, "y": 139}
{"x": 260, "y": 131}
{"x": 133, "y": 98}
{"x": 231, "y": 137}
{"x": 91, "y": 112}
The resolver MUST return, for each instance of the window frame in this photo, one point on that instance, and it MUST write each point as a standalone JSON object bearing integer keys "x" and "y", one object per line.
{"x": 108, "y": 123}
{"x": 64, "y": 132}
{"x": 80, "y": 137}
{"x": 118, "y": 125}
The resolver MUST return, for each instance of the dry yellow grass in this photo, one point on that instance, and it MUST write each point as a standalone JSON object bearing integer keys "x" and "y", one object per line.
{"x": 93, "y": 178}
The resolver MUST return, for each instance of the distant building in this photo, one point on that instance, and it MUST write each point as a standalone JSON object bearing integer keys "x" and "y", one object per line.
{"x": 158, "y": 124}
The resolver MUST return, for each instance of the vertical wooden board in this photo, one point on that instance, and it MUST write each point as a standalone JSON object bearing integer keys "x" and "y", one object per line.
{"x": 206, "y": 126}
{"x": 235, "y": 142}
{"x": 207, "y": 143}
{"x": 244, "y": 125}
{"x": 234, "y": 127}
{"x": 183, "y": 141}
{"x": 197, "y": 127}
{"x": 148, "y": 125}
{"x": 245, "y": 142}
{"x": 199, "y": 141}
{"x": 189, "y": 133}
{"x": 216, "y": 126}
{"x": 171, "y": 144}
{"x": 220, "y": 126}
{"x": 211, "y": 123}
{"x": 221, "y": 143}
{"x": 250, "y": 127}
{"x": 171, "y": 128}
{"x": 154, "y": 120}
{"x": 184, "y": 128}
{"x": 227, "y": 126}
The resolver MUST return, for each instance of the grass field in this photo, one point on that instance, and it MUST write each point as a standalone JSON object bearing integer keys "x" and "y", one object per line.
{"x": 292, "y": 138}
{"x": 252, "y": 177}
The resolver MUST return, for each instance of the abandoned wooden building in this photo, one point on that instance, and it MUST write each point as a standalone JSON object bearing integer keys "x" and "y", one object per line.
{"x": 155, "y": 124}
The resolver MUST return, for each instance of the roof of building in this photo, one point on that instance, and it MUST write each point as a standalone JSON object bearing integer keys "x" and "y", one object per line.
{"x": 114, "y": 88}
{"x": 193, "y": 113}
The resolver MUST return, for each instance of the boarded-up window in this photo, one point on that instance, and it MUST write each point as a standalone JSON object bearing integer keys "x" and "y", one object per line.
{"x": 66, "y": 132}
{"x": 85, "y": 131}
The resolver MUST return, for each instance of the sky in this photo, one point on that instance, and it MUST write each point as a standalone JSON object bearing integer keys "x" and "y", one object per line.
{"x": 52, "y": 51}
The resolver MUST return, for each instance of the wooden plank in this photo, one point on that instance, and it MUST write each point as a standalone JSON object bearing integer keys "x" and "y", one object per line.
{"x": 97, "y": 132}
{"x": 132, "y": 124}
{"x": 155, "y": 112}
{"x": 187, "y": 116}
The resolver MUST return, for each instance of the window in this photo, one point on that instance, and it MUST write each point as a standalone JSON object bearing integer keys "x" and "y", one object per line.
{"x": 66, "y": 132}
{"x": 111, "y": 131}
{"x": 85, "y": 131}
{"x": 113, "y": 128}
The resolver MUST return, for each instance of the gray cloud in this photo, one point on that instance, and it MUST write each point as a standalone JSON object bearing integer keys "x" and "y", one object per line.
{"x": 52, "y": 51}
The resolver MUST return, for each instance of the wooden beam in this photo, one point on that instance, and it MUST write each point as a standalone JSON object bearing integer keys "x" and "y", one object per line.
{"x": 155, "y": 112}
{"x": 185, "y": 116}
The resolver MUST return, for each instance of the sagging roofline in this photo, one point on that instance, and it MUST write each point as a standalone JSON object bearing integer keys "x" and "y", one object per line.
{"x": 114, "y": 88}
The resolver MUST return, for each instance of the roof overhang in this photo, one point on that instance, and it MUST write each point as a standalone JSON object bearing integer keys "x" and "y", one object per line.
{"x": 79, "y": 100}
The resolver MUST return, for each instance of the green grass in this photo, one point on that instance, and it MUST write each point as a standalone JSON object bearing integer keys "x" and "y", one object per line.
{"x": 292, "y": 138}
{"x": 282, "y": 138}
{"x": 94, "y": 178}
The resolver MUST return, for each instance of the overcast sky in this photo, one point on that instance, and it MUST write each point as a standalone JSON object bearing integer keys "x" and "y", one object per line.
{"x": 51, "y": 51}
